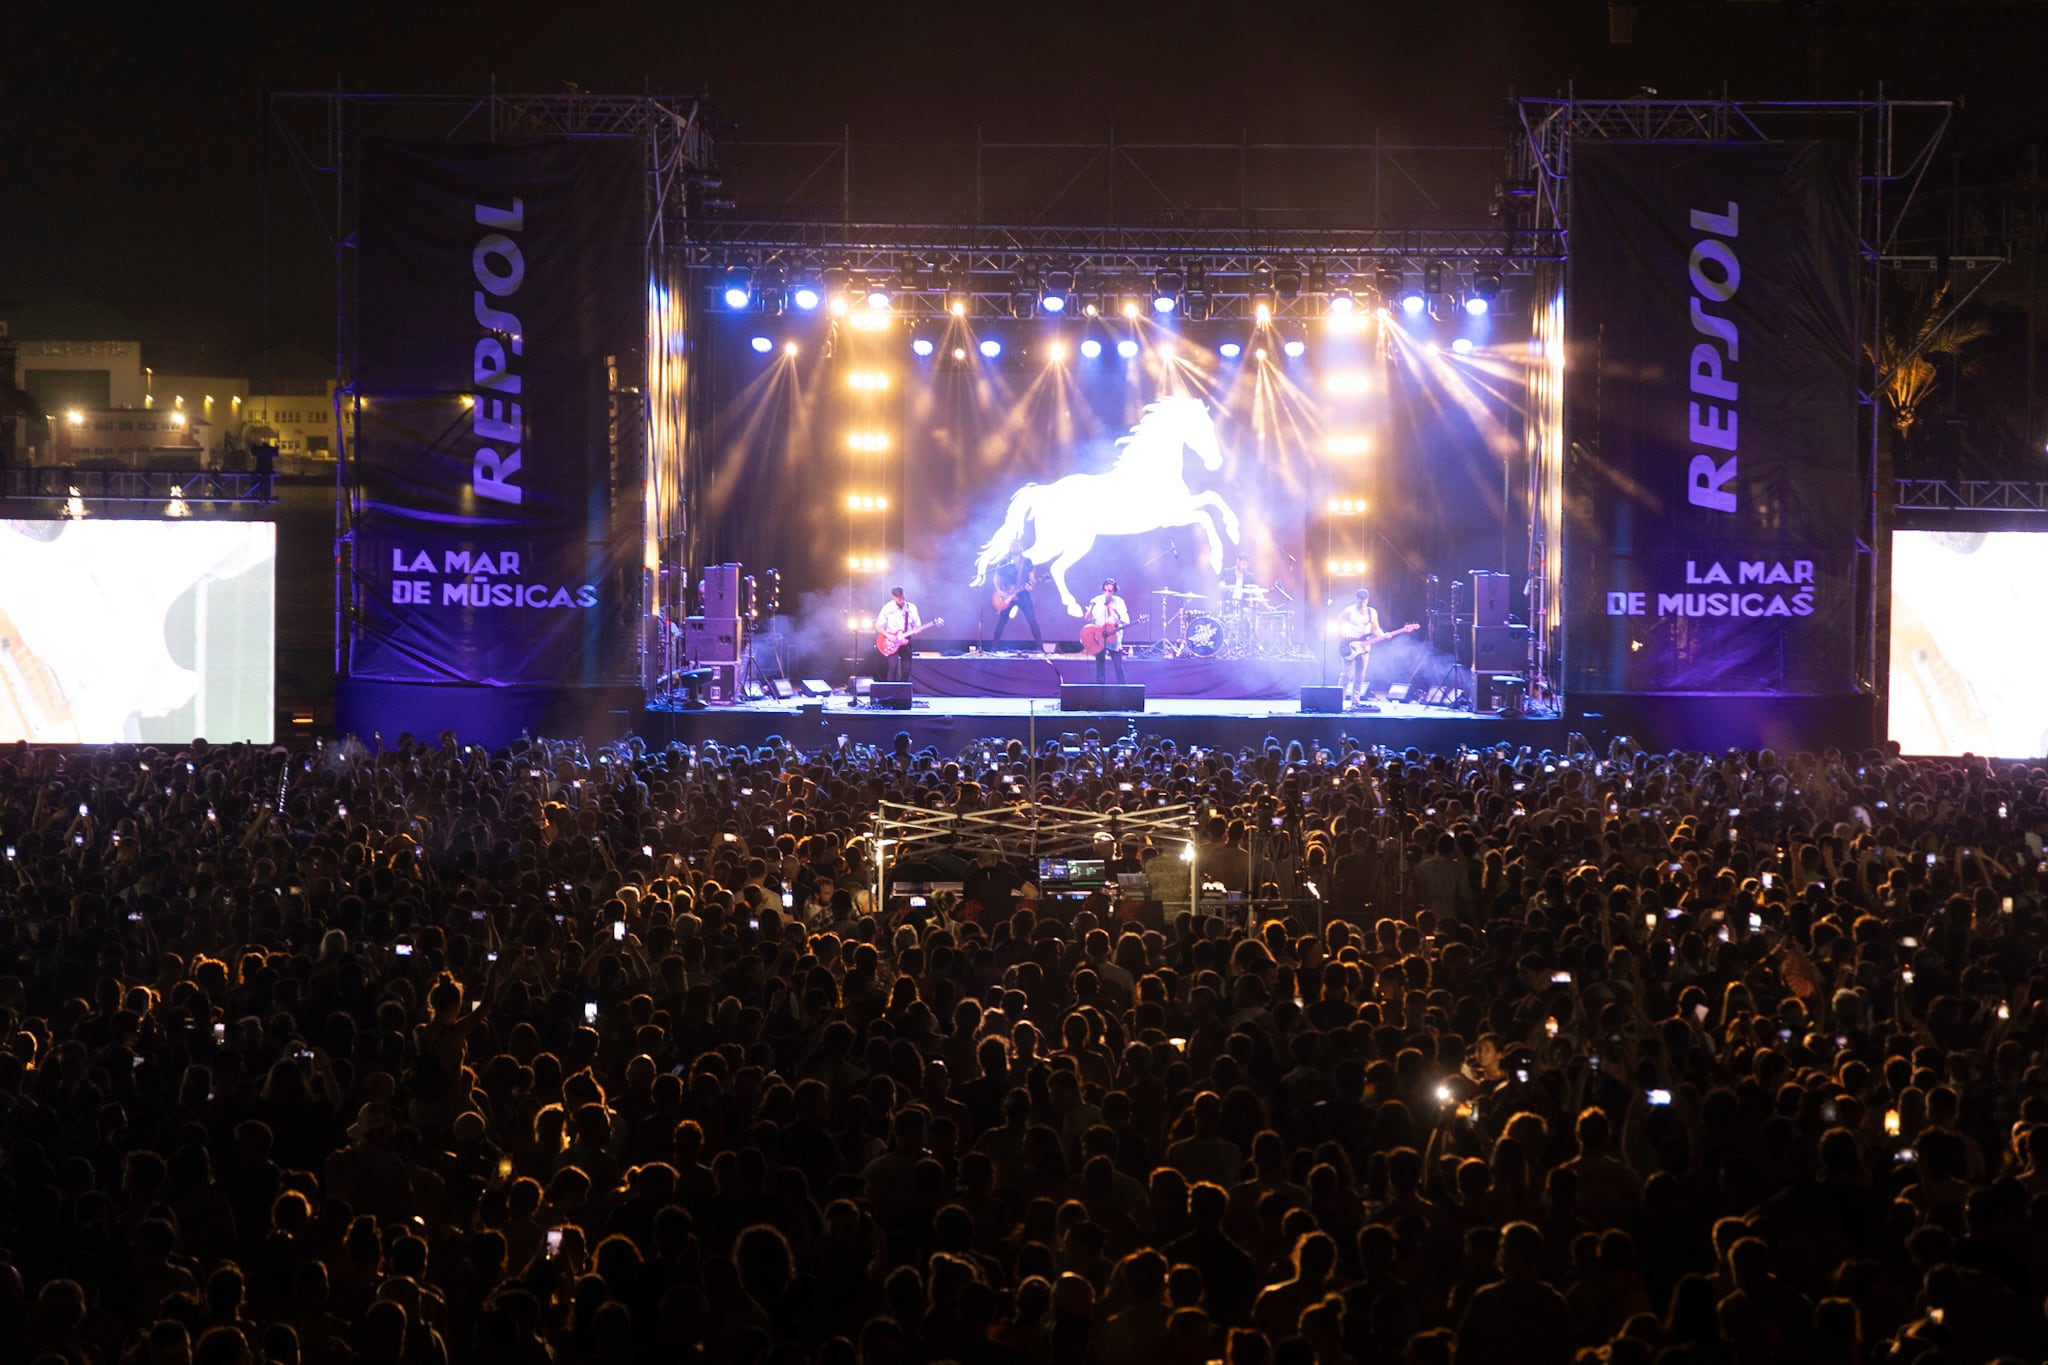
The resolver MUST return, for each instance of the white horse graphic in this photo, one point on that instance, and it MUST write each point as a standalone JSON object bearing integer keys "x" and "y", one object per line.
{"x": 1143, "y": 491}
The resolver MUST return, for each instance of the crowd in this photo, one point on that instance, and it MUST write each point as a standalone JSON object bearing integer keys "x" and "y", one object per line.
{"x": 430, "y": 1054}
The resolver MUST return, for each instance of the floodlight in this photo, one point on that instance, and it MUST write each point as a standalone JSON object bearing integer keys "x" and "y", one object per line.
{"x": 991, "y": 348}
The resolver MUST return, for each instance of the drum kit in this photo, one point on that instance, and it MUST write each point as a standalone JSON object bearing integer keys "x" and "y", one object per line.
{"x": 1244, "y": 625}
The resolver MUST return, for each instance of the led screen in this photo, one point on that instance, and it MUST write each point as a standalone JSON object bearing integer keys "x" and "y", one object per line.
{"x": 136, "y": 631}
{"x": 1968, "y": 666}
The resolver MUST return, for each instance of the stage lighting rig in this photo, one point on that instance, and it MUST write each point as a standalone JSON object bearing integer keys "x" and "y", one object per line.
{"x": 1287, "y": 280}
{"x": 959, "y": 296}
{"x": 807, "y": 291}
{"x": 739, "y": 286}
{"x": 1387, "y": 283}
{"x": 1262, "y": 292}
{"x": 1059, "y": 283}
{"x": 1485, "y": 292}
{"x": 1318, "y": 278}
{"x": 1024, "y": 293}
{"x": 1167, "y": 283}
{"x": 774, "y": 289}
{"x": 1128, "y": 303}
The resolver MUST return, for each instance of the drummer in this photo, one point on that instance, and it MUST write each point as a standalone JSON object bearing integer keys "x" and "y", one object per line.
{"x": 1238, "y": 579}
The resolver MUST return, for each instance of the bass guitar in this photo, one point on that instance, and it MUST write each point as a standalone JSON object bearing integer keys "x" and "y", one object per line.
{"x": 1357, "y": 646}
{"x": 888, "y": 644}
{"x": 1095, "y": 639}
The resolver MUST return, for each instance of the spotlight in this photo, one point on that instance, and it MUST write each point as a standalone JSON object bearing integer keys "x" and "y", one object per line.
{"x": 1475, "y": 306}
{"x": 789, "y": 348}
{"x": 806, "y": 297}
{"x": 958, "y": 297}
{"x": 1262, "y": 291}
{"x": 1287, "y": 281}
{"x": 1412, "y": 302}
{"x": 959, "y": 353}
{"x": 1054, "y": 303}
{"x": 1023, "y": 306}
{"x": 878, "y": 298}
{"x": 762, "y": 345}
{"x": 1059, "y": 287}
{"x": 1462, "y": 346}
{"x": 1024, "y": 293}
{"x": 1486, "y": 285}
{"x": 1341, "y": 303}
{"x": 1433, "y": 277}
{"x": 1163, "y": 304}
{"x": 1230, "y": 350}
{"x": 837, "y": 282}
{"x": 1056, "y": 352}
{"x": 1388, "y": 283}
{"x": 739, "y": 286}
{"x": 1127, "y": 348}
{"x": 1294, "y": 350}
{"x": 1318, "y": 278}
{"x": 921, "y": 347}
{"x": 1195, "y": 305}
{"x": 991, "y": 348}
{"x": 1167, "y": 283}
{"x": 1091, "y": 349}
{"x": 774, "y": 289}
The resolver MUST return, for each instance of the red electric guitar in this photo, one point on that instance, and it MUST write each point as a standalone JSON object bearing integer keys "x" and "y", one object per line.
{"x": 1355, "y": 647}
{"x": 889, "y": 644}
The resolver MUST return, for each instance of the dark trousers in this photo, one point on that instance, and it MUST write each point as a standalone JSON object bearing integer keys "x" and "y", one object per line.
{"x": 1021, "y": 607}
{"x": 1105, "y": 660}
{"x": 896, "y": 667}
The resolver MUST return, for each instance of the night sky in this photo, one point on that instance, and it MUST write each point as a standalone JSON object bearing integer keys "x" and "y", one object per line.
{"x": 132, "y": 152}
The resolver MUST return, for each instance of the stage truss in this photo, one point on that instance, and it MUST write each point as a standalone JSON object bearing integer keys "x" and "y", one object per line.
{"x": 1895, "y": 141}
{"x": 318, "y": 134}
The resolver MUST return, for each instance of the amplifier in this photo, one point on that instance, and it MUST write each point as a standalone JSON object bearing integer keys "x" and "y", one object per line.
{"x": 1489, "y": 597}
{"x": 1102, "y": 696}
{"x": 1321, "y": 701}
{"x": 1500, "y": 649}
{"x": 712, "y": 641}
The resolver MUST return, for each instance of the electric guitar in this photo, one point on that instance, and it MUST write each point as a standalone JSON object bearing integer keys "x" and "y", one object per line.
{"x": 1001, "y": 598}
{"x": 889, "y": 644}
{"x": 1355, "y": 647}
{"x": 1095, "y": 639}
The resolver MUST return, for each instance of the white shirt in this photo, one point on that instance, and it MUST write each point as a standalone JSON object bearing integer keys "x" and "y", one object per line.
{"x": 1357, "y": 621}
{"x": 1106, "y": 607}
{"x": 897, "y": 618}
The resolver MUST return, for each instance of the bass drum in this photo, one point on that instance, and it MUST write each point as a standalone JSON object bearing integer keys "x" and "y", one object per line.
{"x": 1203, "y": 636}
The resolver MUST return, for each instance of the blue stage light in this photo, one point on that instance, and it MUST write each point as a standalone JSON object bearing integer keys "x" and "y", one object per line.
{"x": 1476, "y": 306}
{"x": 1127, "y": 348}
{"x": 739, "y": 286}
{"x": 1163, "y": 304}
{"x": 1230, "y": 350}
{"x": 1295, "y": 350}
{"x": 762, "y": 345}
{"x": 1413, "y": 303}
{"x": 1091, "y": 349}
{"x": 736, "y": 297}
{"x": 1462, "y": 346}
{"x": 1054, "y": 303}
{"x": 922, "y": 347}
{"x": 806, "y": 298}
{"x": 991, "y": 348}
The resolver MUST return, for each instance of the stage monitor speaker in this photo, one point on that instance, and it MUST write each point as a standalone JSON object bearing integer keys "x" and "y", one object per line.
{"x": 783, "y": 688}
{"x": 1322, "y": 701}
{"x": 1102, "y": 696}
{"x": 1500, "y": 649}
{"x": 890, "y": 696}
{"x": 1489, "y": 598}
{"x": 815, "y": 687}
{"x": 1398, "y": 692}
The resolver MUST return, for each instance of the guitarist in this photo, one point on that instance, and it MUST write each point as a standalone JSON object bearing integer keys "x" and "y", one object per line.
{"x": 897, "y": 620}
{"x": 1108, "y": 611}
{"x": 1014, "y": 579}
{"x": 1357, "y": 622}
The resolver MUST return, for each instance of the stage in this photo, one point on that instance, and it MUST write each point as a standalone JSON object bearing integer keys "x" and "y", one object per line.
{"x": 950, "y": 723}
{"x": 1024, "y": 675}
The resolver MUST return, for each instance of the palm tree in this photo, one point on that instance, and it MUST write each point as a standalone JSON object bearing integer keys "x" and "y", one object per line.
{"x": 1920, "y": 329}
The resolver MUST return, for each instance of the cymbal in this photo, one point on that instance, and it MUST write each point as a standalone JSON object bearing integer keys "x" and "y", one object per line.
{"x": 1186, "y": 596}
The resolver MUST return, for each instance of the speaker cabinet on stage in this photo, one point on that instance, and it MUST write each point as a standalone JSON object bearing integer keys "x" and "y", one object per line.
{"x": 1322, "y": 701}
{"x": 1489, "y": 598}
{"x": 720, "y": 590}
{"x": 1500, "y": 649}
{"x": 1102, "y": 696}
{"x": 712, "y": 640}
{"x": 890, "y": 696}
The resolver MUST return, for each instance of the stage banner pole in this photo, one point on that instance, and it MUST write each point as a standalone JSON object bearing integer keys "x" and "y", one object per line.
{"x": 499, "y": 354}
{"x": 1710, "y": 476}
